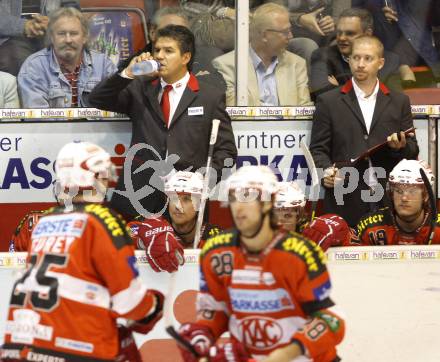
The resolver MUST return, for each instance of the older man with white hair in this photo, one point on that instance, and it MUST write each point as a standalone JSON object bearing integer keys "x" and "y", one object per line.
{"x": 276, "y": 77}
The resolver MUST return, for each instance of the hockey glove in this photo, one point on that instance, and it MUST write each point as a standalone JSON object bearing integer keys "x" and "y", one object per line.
{"x": 328, "y": 230}
{"x": 146, "y": 324}
{"x": 128, "y": 350}
{"x": 163, "y": 250}
{"x": 200, "y": 337}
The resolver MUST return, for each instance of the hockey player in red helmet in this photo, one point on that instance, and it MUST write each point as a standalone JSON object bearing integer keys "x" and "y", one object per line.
{"x": 289, "y": 205}
{"x": 175, "y": 231}
{"x": 409, "y": 219}
{"x": 81, "y": 272}
{"x": 326, "y": 230}
{"x": 268, "y": 287}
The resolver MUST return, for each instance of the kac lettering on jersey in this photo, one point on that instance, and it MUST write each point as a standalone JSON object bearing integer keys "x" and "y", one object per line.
{"x": 244, "y": 300}
{"x": 260, "y": 332}
{"x": 105, "y": 215}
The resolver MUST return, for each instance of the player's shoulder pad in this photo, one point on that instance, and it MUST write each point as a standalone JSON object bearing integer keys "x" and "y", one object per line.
{"x": 112, "y": 222}
{"x": 305, "y": 249}
{"x": 25, "y": 218}
{"x": 374, "y": 218}
{"x": 222, "y": 239}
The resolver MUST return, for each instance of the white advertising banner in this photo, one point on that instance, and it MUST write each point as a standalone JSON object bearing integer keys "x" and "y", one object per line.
{"x": 28, "y": 150}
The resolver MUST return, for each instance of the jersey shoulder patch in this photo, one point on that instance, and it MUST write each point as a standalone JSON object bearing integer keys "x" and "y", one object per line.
{"x": 112, "y": 222}
{"x": 30, "y": 220}
{"x": 222, "y": 239}
{"x": 375, "y": 218}
{"x": 309, "y": 252}
{"x": 210, "y": 231}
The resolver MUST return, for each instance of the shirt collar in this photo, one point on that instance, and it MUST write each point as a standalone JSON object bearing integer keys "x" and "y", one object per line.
{"x": 256, "y": 60}
{"x": 179, "y": 85}
{"x": 361, "y": 94}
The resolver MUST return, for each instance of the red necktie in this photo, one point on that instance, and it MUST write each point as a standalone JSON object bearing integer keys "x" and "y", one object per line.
{"x": 165, "y": 103}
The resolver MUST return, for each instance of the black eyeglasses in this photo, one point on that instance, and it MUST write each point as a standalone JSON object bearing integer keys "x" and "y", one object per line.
{"x": 284, "y": 32}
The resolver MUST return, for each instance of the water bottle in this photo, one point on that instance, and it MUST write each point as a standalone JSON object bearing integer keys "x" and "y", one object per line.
{"x": 145, "y": 67}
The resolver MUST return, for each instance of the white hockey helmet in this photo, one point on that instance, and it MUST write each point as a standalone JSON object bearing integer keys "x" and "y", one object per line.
{"x": 407, "y": 172}
{"x": 81, "y": 164}
{"x": 260, "y": 178}
{"x": 289, "y": 195}
{"x": 184, "y": 182}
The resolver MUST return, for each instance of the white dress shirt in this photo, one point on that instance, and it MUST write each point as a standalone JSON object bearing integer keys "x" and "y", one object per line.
{"x": 175, "y": 94}
{"x": 267, "y": 82}
{"x": 367, "y": 105}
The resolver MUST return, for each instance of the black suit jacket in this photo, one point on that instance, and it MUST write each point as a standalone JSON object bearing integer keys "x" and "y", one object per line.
{"x": 187, "y": 137}
{"x": 339, "y": 134}
{"x": 328, "y": 61}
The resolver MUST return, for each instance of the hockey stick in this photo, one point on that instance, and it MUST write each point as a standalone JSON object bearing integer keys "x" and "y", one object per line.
{"x": 314, "y": 188}
{"x": 182, "y": 341}
{"x": 168, "y": 307}
{"x": 433, "y": 207}
{"x": 212, "y": 140}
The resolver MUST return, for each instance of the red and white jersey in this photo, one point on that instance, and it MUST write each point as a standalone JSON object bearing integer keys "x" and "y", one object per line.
{"x": 379, "y": 228}
{"x": 21, "y": 238}
{"x": 81, "y": 276}
{"x": 266, "y": 299}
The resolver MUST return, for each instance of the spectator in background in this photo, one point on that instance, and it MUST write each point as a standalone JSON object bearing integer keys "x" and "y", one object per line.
{"x": 201, "y": 66}
{"x": 276, "y": 77}
{"x": 8, "y": 91}
{"x": 23, "y": 24}
{"x": 162, "y": 17}
{"x": 313, "y": 23}
{"x": 172, "y": 114}
{"x": 64, "y": 73}
{"x": 218, "y": 8}
{"x": 405, "y": 27}
{"x": 19, "y": 37}
{"x": 330, "y": 66}
{"x": 350, "y": 120}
